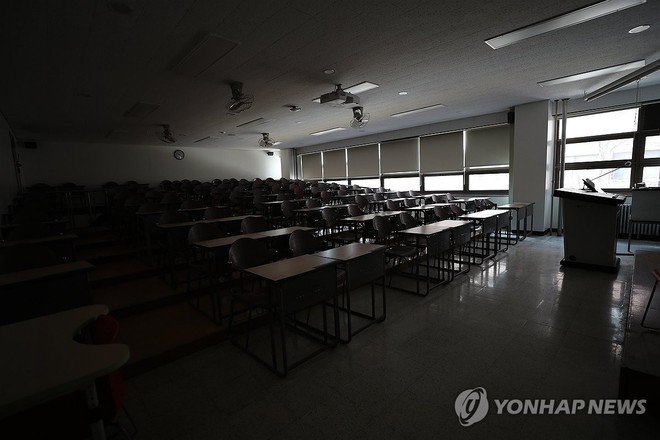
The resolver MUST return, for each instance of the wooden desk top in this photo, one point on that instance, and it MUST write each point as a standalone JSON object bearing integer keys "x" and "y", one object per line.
{"x": 212, "y": 220}
{"x": 40, "y": 360}
{"x": 30, "y": 275}
{"x": 427, "y": 207}
{"x": 351, "y": 251}
{"x": 282, "y": 231}
{"x": 515, "y": 205}
{"x": 318, "y": 208}
{"x": 289, "y": 267}
{"x": 369, "y": 217}
{"x": 40, "y": 240}
{"x": 224, "y": 241}
{"x": 486, "y": 213}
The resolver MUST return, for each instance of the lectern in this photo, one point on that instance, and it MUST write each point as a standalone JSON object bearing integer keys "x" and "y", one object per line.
{"x": 590, "y": 228}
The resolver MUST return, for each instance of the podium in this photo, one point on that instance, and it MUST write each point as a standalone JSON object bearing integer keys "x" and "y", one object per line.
{"x": 590, "y": 233}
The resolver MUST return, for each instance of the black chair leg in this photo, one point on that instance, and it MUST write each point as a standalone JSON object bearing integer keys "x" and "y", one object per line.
{"x": 648, "y": 305}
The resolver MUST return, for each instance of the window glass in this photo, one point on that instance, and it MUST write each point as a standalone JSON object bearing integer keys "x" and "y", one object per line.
{"x": 599, "y": 150}
{"x": 652, "y": 147}
{"x": 491, "y": 181}
{"x": 367, "y": 183}
{"x": 402, "y": 183}
{"x": 621, "y": 121}
{"x": 338, "y": 182}
{"x": 651, "y": 176}
{"x": 618, "y": 179}
{"x": 452, "y": 182}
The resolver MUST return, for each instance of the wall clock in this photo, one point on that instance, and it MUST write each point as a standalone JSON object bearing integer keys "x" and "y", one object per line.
{"x": 179, "y": 155}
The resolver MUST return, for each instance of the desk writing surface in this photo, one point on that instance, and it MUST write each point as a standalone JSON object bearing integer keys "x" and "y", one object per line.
{"x": 282, "y": 231}
{"x": 369, "y": 217}
{"x": 30, "y": 275}
{"x": 428, "y": 229}
{"x": 486, "y": 213}
{"x": 589, "y": 196}
{"x": 516, "y": 205}
{"x": 350, "y": 251}
{"x": 40, "y": 360}
{"x": 225, "y": 241}
{"x": 289, "y": 267}
{"x": 40, "y": 240}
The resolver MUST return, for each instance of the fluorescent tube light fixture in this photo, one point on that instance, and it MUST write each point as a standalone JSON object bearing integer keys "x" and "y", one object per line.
{"x": 331, "y": 130}
{"x": 361, "y": 87}
{"x": 593, "y": 73}
{"x": 578, "y": 16}
{"x": 623, "y": 81}
{"x": 417, "y": 110}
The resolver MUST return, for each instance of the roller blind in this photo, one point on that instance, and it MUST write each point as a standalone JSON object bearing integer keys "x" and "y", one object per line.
{"x": 334, "y": 164}
{"x": 442, "y": 152}
{"x": 487, "y": 146}
{"x": 363, "y": 161}
{"x": 311, "y": 165}
{"x": 399, "y": 156}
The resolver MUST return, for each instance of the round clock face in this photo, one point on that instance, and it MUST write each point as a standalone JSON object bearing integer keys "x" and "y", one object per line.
{"x": 178, "y": 154}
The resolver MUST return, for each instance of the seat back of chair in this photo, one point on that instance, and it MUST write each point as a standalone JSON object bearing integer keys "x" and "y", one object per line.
{"x": 247, "y": 252}
{"x": 303, "y": 242}
{"x": 253, "y": 224}
{"x": 354, "y": 210}
{"x": 407, "y": 220}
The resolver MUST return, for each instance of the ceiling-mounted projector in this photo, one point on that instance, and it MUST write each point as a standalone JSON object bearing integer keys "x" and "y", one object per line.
{"x": 339, "y": 97}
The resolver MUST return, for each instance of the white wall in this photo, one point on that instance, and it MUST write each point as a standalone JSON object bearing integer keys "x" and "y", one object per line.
{"x": 94, "y": 164}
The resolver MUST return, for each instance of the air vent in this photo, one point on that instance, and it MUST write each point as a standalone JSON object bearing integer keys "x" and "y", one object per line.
{"x": 207, "y": 51}
{"x": 141, "y": 110}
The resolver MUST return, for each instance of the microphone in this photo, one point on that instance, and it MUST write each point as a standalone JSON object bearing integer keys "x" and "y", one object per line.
{"x": 589, "y": 183}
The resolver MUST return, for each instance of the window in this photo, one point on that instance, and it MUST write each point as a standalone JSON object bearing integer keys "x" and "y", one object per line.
{"x": 452, "y": 182}
{"x": 338, "y": 182}
{"x": 620, "y": 121}
{"x": 601, "y": 147}
{"x": 366, "y": 183}
{"x": 615, "y": 149}
{"x": 651, "y": 176}
{"x": 488, "y": 181}
{"x": 402, "y": 183}
{"x": 652, "y": 147}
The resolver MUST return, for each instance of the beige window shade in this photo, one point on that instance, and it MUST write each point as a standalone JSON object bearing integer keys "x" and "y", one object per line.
{"x": 334, "y": 164}
{"x": 363, "y": 161}
{"x": 443, "y": 152}
{"x": 311, "y": 165}
{"x": 487, "y": 146}
{"x": 399, "y": 156}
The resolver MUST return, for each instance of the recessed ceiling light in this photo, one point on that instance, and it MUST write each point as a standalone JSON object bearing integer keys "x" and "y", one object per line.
{"x": 329, "y": 71}
{"x": 593, "y": 73}
{"x": 638, "y": 29}
{"x": 319, "y": 133}
{"x": 403, "y": 93}
{"x": 562, "y": 21}
{"x": 417, "y": 110}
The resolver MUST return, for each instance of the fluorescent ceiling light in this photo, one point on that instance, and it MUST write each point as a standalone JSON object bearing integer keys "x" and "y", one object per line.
{"x": 319, "y": 133}
{"x": 623, "y": 81}
{"x": 361, "y": 87}
{"x": 254, "y": 122}
{"x": 638, "y": 29}
{"x": 277, "y": 143}
{"x": 572, "y": 18}
{"x": 417, "y": 110}
{"x": 593, "y": 73}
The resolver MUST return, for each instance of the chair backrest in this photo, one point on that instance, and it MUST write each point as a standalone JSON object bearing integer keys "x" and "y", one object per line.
{"x": 439, "y": 198}
{"x": 379, "y": 197}
{"x": 313, "y": 203}
{"x": 450, "y": 197}
{"x": 457, "y": 210}
{"x": 354, "y": 210}
{"x": 287, "y": 209}
{"x": 303, "y": 242}
{"x": 361, "y": 201}
{"x": 407, "y": 220}
{"x": 470, "y": 206}
{"x": 191, "y": 204}
{"x": 409, "y": 203}
{"x": 247, "y": 252}
{"x": 392, "y": 205}
{"x": 254, "y": 224}
{"x": 214, "y": 212}
{"x": 331, "y": 217}
{"x": 479, "y": 204}
{"x": 402, "y": 194}
{"x": 326, "y": 197}
{"x": 440, "y": 213}
{"x": 383, "y": 228}
{"x": 204, "y": 231}
{"x": 342, "y": 192}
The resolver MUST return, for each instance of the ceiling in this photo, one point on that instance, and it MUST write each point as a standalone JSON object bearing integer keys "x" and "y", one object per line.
{"x": 72, "y": 69}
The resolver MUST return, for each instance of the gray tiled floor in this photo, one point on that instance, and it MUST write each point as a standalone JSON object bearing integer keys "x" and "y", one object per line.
{"x": 519, "y": 326}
